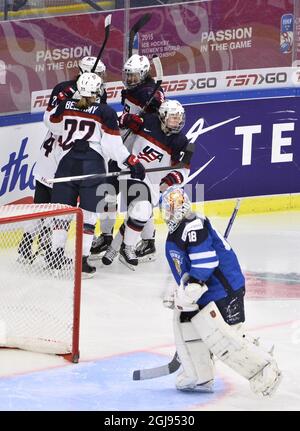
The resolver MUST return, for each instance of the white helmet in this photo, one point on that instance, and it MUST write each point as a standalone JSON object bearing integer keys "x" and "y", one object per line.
{"x": 90, "y": 84}
{"x": 135, "y": 70}
{"x": 172, "y": 116}
{"x": 86, "y": 64}
{"x": 175, "y": 206}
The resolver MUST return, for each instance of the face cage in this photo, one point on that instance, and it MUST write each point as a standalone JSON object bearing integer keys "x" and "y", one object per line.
{"x": 174, "y": 130}
{"x": 178, "y": 216}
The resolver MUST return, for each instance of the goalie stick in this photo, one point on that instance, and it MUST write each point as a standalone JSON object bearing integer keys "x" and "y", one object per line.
{"x": 135, "y": 29}
{"x": 174, "y": 364}
{"x": 107, "y": 22}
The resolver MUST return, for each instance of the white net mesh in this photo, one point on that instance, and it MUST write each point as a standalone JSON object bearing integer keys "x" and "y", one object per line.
{"x": 37, "y": 267}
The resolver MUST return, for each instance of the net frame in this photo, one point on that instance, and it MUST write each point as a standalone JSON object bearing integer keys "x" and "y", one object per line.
{"x": 54, "y": 211}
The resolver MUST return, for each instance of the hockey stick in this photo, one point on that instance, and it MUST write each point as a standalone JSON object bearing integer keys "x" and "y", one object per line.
{"x": 117, "y": 174}
{"x": 135, "y": 29}
{"x": 93, "y": 5}
{"x": 107, "y": 22}
{"x": 159, "y": 79}
{"x": 174, "y": 364}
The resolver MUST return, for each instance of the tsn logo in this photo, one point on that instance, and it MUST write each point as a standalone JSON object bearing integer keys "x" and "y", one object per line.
{"x": 114, "y": 92}
{"x": 175, "y": 85}
{"x": 41, "y": 101}
{"x": 255, "y": 79}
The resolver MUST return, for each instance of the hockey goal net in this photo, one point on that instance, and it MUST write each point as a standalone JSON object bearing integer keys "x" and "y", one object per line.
{"x": 40, "y": 283}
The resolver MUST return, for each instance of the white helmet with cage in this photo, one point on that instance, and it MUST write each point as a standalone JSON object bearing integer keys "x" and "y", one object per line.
{"x": 86, "y": 64}
{"x": 135, "y": 70}
{"x": 175, "y": 206}
{"x": 89, "y": 85}
{"x": 172, "y": 116}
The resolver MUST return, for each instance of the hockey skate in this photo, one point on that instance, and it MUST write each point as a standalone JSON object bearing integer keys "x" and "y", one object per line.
{"x": 57, "y": 259}
{"x": 25, "y": 249}
{"x": 188, "y": 384}
{"x": 87, "y": 271}
{"x": 128, "y": 256}
{"x": 100, "y": 245}
{"x": 146, "y": 251}
{"x": 109, "y": 256}
{"x": 44, "y": 240}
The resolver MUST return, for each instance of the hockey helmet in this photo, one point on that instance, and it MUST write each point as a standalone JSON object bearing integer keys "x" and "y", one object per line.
{"x": 175, "y": 206}
{"x": 86, "y": 64}
{"x": 172, "y": 116}
{"x": 89, "y": 85}
{"x": 135, "y": 70}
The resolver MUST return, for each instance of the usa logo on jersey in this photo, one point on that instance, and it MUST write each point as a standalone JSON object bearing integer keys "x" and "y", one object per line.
{"x": 149, "y": 154}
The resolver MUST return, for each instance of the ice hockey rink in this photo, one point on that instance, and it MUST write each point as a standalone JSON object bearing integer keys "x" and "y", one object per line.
{"x": 125, "y": 327}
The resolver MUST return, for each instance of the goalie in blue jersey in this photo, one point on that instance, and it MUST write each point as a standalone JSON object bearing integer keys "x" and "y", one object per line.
{"x": 209, "y": 303}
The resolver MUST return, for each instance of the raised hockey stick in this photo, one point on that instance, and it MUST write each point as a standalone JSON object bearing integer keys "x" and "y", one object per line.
{"x": 159, "y": 79}
{"x": 135, "y": 29}
{"x": 174, "y": 364}
{"x": 107, "y": 22}
{"x": 93, "y": 5}
{"x": 117, "y": 174}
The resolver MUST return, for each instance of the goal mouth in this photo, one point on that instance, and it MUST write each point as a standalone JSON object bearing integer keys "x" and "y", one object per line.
{"x": 40, "y": 278}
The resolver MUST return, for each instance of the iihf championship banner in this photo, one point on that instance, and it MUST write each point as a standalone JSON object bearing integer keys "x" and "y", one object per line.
{"x": 254, "y": 145}
{"x": 196, "y": 37}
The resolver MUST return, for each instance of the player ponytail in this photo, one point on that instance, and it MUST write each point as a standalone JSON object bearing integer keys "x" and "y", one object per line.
{"x": 85, "y": 102}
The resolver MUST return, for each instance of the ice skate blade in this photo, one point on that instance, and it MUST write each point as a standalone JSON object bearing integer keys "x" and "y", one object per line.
{"x": 132, "y": 267}
{"x": 97, "y": 256}
{"x": 86, "y": 276}
{"x": 204, "y": 388}
{"x": 148, "y": 258}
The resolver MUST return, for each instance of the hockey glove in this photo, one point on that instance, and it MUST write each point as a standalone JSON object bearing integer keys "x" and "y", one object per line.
{"x": 174, "y": 177}
{"x": 155, "y": 103}
{"x": 187, "y": 296}
{"x": 67, "y": 93}
{"x": 136, "y": 168}
{"x": 131, "y": 121}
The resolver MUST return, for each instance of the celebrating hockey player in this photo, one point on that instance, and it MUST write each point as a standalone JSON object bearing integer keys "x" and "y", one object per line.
{"x": 209, "y": 303}
{"x": 159, "y": 143}
{"x": 90, "y": 134}
{"x": 139, "y": 86}
{"x": 47, "y": 162}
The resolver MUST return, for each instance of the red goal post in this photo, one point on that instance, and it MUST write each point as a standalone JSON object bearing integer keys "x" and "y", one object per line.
{"x": 40, "y": 297}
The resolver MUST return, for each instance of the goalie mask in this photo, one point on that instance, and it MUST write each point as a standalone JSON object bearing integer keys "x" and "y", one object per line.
{"x": 86, "y": 64}
{"x": 172, "y": 116}
{"x": 90, "y": 85}
{"x": 175, "y": 206}
{"x": 135, "y": 70}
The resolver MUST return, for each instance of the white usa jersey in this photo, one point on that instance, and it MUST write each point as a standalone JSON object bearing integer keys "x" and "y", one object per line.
{"x": 96, "y": 125}
{"x": 156, "y": 150}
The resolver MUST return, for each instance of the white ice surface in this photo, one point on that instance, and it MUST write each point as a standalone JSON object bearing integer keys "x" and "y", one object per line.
{"x": 121, "y": 312}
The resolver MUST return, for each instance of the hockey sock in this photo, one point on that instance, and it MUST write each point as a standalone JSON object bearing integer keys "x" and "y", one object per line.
{"x": 149, "y": 230}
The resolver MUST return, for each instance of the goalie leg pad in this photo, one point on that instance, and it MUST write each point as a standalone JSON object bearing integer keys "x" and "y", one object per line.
{"x": 197, "y": 372}
{"x": 236, "y": 351}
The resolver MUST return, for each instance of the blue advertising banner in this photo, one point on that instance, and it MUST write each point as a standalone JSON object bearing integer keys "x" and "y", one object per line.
{"x": 256, "y": 144}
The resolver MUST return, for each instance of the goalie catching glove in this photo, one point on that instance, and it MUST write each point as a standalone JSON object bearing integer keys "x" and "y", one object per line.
{"x": 136, "y": 168}
{"x": 186, "y": 296}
